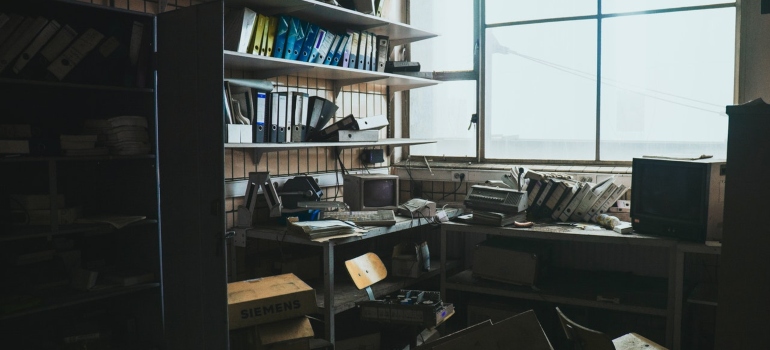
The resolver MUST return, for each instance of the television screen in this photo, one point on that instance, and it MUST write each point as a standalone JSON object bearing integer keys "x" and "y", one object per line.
{"x": 379, "y": 192}
{"x": 672, "y": 191}
{"x": 681, "y": 199}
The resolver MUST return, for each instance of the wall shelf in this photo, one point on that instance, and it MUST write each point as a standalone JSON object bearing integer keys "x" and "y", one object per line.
{"x": 262, "y": 148}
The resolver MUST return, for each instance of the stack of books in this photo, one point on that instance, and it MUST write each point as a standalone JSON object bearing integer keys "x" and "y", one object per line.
{"x": 562, "y": 199}
{"x": 315, "y": 230}
{"x": 123, "y": 135}
{"x": 81, "y": 145}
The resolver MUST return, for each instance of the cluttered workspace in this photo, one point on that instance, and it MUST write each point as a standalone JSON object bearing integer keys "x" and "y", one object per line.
{"x": 520, "y": 260}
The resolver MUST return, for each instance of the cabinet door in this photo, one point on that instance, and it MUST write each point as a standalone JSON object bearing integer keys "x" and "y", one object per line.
{"x": 190, "y": 165}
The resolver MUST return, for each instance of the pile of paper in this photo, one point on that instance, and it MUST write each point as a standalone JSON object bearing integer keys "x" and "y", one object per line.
{"x": 123, "y": 135}
{"x": 324, "y": 229}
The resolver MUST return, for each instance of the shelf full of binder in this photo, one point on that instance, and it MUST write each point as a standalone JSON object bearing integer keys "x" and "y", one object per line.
{"x": 268, "y": 46}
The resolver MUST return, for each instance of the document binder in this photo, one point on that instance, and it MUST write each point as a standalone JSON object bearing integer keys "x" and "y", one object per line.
{"x": 333, "y": 49}
{"x": 319, "y": 42}
{"x": 383, "y": 43}
{"x": 273, "y": 120}
{"x": 361, "y": 64}
{"x": 374, "y": 122}
{"x": 258, "y": 36}
{"x": 353, "y": 55}
{"x": 260, "y": 114}
{"x": 291, "y": 50}
{"x": 299, "y": 116}
{"x": 339, "y": 56}
{"x": 271, "y": 31}
{"x": 311, "y": 36}
{"x": 369, "y": 51}
{"x": 239, "y": 26}
{"x": 281, "y": 36}
{"x": 326, "y": 46}
{"x": 282, "y": 115}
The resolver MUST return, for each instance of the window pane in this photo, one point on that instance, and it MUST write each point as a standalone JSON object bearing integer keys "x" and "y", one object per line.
{"x": 452, "y": 20}
{"x": 443, "y": 112}
{"x": 666, "y": 80}
{"x": 614, "y": 6}
{"x": 541, "y": 91}
{"x": 498, "y": 11}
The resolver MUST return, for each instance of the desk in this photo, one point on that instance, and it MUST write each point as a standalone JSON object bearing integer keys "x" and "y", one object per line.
{"x": 663, "y": 308}
{"x": 335, "y": 299}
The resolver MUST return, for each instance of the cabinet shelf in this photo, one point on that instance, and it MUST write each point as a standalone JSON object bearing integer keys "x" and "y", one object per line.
{"x": 27, "y": 232}
{"x": 278, "y": 233}
{"x": 61, "y": 298}
{"x": 266, "y": 67}
{"x": 25, "y": 158}
{"x": 346, "y": 295}
{"x": 271, "y": 147}
{"x": 336, "y": 17}
{"x": 73, "y": 86}
{"x": 579, "y": 288}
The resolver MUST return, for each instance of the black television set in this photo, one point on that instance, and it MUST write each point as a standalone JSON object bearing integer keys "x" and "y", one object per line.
{"x": 370, "y": 191}
{"x": 682, "y": 199}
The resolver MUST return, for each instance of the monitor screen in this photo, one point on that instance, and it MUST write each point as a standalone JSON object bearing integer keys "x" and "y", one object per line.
{"x": 379, "y": 192}
{"x": 671, "y": 191}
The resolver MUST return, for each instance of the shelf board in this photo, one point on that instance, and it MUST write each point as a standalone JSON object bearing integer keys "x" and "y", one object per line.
{"x": 32, "y": 158}
{"x": 346, "y": 295}
{"x": 279, "y": 233}
{"x": 579, "y": 288}
{"x": 65, "y": 297}
{"x": 37, "y": 231}
{"x": 266, "y": 67}
{"x": 271, "y": 147}
{"x": 704, "y": 294}
{"x": 564, "y": 233}
{"x": 55, "y": 84}
{"x": 336, "y": 18}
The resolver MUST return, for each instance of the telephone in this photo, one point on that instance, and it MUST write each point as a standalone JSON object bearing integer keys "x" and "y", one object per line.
{"x": 417, "y": 207}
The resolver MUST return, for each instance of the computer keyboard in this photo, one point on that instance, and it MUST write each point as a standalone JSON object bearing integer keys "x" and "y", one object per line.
{"x": 364, "y": 217}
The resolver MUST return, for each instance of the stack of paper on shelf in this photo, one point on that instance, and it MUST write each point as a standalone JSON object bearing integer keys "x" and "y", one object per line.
{"x": 323, "y": 229}
{"x": 80, "y": 145}
{"x": 122, "y": 135}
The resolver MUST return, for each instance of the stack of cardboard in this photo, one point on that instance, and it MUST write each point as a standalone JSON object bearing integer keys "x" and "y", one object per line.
{"x": 270, "y": 313}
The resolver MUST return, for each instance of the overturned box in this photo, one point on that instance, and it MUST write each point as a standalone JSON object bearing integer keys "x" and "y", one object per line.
{"x": 511, "y": 261}
{"x": 408, "y": 307}
{"x": 293, "y": 333}
{"x": 522, "y": 331}
{"x": 268, "y": 299}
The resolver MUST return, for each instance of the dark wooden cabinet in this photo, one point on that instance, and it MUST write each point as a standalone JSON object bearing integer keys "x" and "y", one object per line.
{"x": 744, "y": 283}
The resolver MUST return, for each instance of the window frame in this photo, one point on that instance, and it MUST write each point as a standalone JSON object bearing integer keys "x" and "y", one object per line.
{"x": 478, "y": 74}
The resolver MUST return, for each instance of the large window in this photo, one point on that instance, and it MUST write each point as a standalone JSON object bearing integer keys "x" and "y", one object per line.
{"x": 584, "y": 80}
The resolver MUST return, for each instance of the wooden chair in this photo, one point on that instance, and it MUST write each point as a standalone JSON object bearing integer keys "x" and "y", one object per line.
{"x": 365, "y": 271}
{"x": 584, "y": 338}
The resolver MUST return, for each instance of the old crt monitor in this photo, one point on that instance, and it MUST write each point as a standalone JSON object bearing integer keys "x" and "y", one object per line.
{"x": 370, "y": 191}
{"x": 682, "y": 199}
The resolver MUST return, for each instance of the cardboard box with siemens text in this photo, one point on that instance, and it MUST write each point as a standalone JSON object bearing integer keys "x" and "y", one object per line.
{"x": 269, "y": 299}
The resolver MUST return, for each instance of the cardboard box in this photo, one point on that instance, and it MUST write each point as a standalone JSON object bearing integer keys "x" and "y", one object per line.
{"x": 522, "y": 331}
{"x": 269, "y": 299}
{"x": 290, "y": 334}
{"x": 508, "y": 261}
{"x": 406, "y": 261}
{"x": 364, "y": 342}
{"x": 482, "y": 310}
{"x": 239, "y": 133}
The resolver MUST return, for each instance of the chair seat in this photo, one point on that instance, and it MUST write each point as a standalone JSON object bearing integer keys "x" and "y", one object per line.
{"x": 633, "y": 341}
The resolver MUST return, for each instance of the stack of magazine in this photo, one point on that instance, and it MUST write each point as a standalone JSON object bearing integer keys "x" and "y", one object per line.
{"x": 323, "y": 229}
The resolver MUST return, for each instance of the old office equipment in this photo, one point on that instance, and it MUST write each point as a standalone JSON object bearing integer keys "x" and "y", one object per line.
{"x": 371, "y": 191}
{"x": 496, "y": 199}
{"x": 681, "y": 199}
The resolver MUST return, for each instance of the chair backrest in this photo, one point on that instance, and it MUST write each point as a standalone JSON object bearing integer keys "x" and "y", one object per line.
{"x": 366, "y": 270}
{"x": 584, "y": 338}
